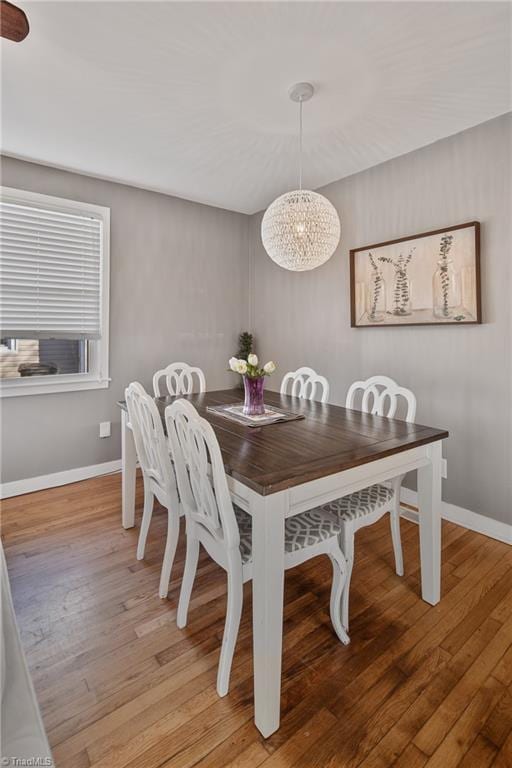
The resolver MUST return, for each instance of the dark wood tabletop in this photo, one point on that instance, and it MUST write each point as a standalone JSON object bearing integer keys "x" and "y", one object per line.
{"x": 329, "y": 439}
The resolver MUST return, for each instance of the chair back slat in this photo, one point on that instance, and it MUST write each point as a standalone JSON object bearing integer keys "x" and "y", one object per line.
{"x": 304, "y": 383}
{"x": 200, "y": 471}
{"x": 381, "y": 397}
{"x": 178, "y": 379}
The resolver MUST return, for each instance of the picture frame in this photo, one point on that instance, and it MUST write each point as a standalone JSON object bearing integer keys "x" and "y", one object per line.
{"x": 431, "y": 278}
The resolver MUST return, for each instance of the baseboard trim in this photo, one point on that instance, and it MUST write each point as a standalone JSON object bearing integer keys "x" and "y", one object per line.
{"x": 495, "y": 529}
{"x": 31, "y": 484}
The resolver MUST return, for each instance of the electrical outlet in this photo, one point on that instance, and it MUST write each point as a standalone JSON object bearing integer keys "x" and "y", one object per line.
{"x": 105, "y": 429}
{"x": 444, "y": 468}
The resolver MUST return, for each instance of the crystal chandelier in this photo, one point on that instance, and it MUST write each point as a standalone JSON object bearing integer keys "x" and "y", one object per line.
{"x": 301, "y": 229}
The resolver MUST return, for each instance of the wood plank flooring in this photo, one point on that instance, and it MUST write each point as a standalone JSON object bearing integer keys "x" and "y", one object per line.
{"x": 121, "y": 687}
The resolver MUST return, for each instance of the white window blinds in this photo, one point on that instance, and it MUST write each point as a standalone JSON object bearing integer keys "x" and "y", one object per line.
{"x": 50, "y": 273}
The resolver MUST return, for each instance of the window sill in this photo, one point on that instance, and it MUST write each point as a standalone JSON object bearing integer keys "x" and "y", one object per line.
{"x": 45, "y": 385}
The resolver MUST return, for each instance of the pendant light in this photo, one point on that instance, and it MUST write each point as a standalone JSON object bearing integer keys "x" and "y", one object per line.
{"x": 301, "y": 229}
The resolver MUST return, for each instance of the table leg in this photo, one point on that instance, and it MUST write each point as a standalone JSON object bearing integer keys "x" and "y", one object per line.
{"x": 429, "y": 502}
{"x": 129, "y": 470}
{"x": 268, "y": 514}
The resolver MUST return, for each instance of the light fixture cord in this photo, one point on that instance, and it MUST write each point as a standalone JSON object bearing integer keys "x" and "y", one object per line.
{"x": 300, "y": 144}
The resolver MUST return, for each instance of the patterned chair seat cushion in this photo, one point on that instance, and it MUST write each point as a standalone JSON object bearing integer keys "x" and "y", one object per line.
{"x": 360, "y": 503}
{"x": 300, "y": 531}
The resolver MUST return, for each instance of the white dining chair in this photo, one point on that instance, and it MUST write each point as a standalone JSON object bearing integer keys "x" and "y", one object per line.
{"x": 380, "y": 396}
{"x": 178, "y": 379}
{"x": 157, "y": 472}
{"x": 225, "y": 530}
{"x": 303, "y": 383}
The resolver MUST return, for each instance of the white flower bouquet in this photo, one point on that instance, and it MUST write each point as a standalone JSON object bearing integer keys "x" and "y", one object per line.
{"x": 250, "y": 367}
{"x": 254, "y": 376}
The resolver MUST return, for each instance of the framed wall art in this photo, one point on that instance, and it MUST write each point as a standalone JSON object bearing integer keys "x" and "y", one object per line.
{"x": 428, "y": 279}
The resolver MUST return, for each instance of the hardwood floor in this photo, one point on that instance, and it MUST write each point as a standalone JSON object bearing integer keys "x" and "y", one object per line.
{"x": 121, "y": 687}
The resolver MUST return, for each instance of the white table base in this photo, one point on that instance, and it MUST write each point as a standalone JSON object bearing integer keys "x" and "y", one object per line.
{"x": 269, "y": 513}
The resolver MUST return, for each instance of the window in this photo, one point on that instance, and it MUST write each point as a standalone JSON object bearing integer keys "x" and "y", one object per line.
{"x": 9, "y": 345}
{"x": 54, "y": 269}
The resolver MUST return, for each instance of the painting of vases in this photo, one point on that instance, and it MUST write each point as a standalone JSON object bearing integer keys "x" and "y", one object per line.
{"x": 428, "y": 279}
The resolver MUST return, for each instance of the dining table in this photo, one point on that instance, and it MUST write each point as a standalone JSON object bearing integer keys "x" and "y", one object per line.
{"x": 281, "y": 469}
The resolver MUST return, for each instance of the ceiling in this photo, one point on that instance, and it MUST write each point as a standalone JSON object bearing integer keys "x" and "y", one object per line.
{"x": 191, "y": 98}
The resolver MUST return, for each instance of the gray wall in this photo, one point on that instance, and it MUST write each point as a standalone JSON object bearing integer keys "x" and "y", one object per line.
{"x": 461, "y": 375}
{"x": 174, "y": 266}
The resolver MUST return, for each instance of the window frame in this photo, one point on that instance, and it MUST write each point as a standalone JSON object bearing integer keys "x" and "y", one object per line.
{"x": 98, "y": 375}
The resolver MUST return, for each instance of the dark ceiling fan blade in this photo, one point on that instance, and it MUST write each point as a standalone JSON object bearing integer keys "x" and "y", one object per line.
{"x": 13, "y": 22}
